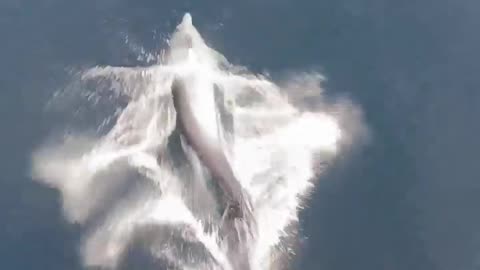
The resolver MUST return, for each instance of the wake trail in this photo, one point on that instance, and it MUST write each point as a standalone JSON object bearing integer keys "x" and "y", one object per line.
{"x": 126, "y": 184}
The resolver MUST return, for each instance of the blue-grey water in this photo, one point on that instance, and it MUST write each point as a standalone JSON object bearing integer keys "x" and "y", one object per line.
{"x": 406, "y": 200}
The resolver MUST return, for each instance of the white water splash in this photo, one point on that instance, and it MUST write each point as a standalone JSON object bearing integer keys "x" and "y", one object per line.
{"x": 116, "y": 185}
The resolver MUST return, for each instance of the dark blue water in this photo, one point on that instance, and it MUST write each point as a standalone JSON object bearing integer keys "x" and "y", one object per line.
{"x": 408, "y": 200}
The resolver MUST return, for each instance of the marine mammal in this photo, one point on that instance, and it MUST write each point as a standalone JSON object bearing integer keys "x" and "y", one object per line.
{"x": 196, "y": 121}
{"x": 197, "y": 125}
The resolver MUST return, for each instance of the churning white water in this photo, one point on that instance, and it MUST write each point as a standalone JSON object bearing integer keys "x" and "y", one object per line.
{"x": 128, "y": 191}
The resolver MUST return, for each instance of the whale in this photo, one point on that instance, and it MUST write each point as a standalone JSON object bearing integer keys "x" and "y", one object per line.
{"x": 201, "y": 134}
{"x": 197, "y": 129}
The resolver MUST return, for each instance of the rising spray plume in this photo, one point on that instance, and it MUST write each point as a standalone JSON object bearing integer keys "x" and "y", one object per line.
{"x": 130, "y": 190}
